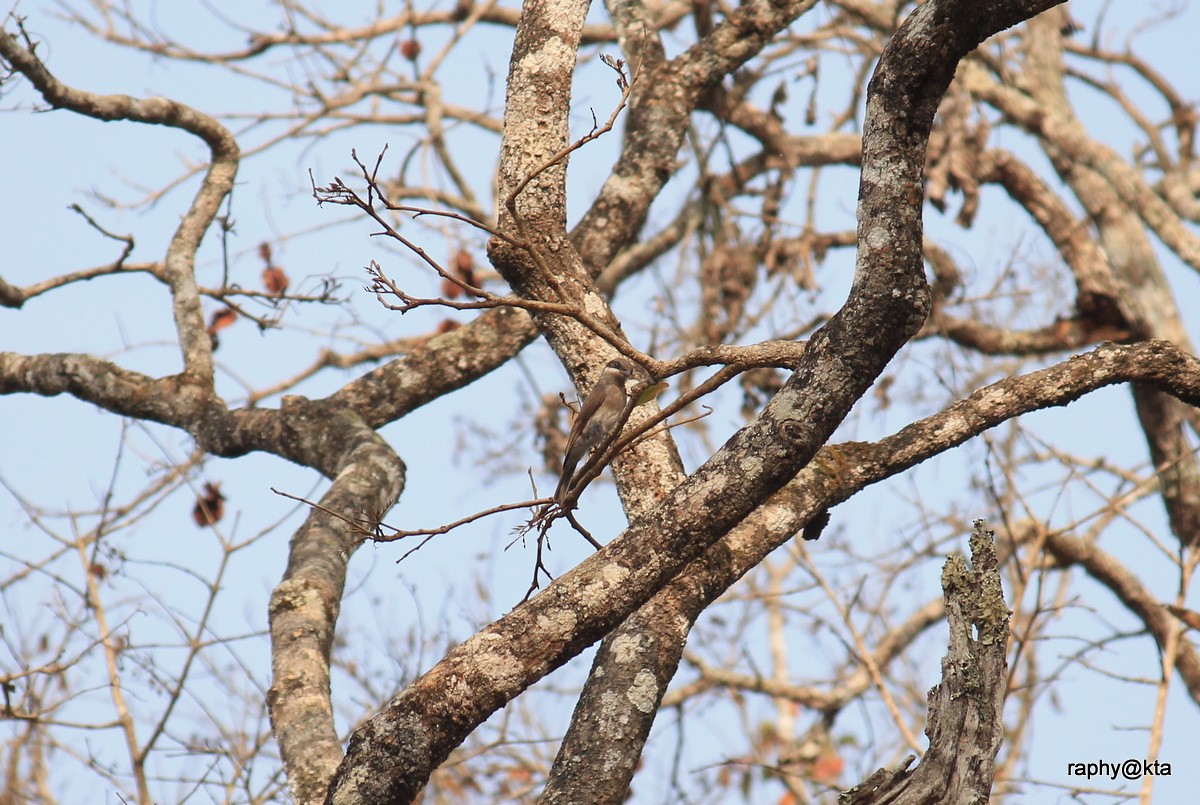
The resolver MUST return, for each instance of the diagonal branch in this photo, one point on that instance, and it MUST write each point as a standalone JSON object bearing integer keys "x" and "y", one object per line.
{"x": 391, "y": 756}
{"x": 644, "y": 653}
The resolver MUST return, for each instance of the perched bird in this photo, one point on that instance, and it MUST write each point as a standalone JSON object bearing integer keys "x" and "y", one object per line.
{"x": 599, "y": 416}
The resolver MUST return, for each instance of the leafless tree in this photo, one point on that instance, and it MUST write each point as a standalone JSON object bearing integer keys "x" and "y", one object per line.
{"x": 704, "y": 255}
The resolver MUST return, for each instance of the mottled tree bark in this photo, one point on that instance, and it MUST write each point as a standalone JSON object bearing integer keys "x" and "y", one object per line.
{"x": 391, "y": 756}
{"x": 965, "y": 725}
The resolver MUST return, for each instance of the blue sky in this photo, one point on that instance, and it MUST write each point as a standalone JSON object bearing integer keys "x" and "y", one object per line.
{"x": 61, "y": 453}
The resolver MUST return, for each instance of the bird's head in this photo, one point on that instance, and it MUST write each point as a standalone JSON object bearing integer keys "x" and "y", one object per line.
{"x": 619, "y": 366}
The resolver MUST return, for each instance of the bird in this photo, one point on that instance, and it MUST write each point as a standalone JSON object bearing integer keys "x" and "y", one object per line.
{"x": 598, "y": 418}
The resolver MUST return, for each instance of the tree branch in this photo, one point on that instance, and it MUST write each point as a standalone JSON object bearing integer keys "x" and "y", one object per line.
{"x": 392, "y": 755}
{"x": 179, "y": 263}
{"x": 966, "y": 722}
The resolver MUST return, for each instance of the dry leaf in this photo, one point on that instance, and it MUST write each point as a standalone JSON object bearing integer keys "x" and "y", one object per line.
{"x": 221, "y": 319}
{"x": 274, "y": 280}
{"x": 210, "y": 507}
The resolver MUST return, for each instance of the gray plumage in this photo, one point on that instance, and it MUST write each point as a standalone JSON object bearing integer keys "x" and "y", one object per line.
{"x": 599, "y": 416}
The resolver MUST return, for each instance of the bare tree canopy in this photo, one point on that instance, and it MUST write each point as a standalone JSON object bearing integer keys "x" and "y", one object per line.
{"x": 380, "y": 245}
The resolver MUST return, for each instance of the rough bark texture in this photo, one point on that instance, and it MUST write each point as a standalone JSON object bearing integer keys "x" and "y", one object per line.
{"x": 965, "y": 725}
{"x": 611, "y": 722}
{"x": 629, "y": 676}
{"x": 690, "y": 539}
{"x": 390, "y": 758}
{"x": 304, "y": 605}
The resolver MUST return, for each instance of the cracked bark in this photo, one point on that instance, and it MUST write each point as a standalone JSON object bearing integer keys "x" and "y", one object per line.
{"x": 391, "y": 756}
{"x": 368, "y": 477}
{"x": 648, "y": 640}
{"x": 965, "y": 726}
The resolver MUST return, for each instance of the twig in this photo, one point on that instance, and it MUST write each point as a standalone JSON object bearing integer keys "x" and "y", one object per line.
{"x": 626, "y": 85}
